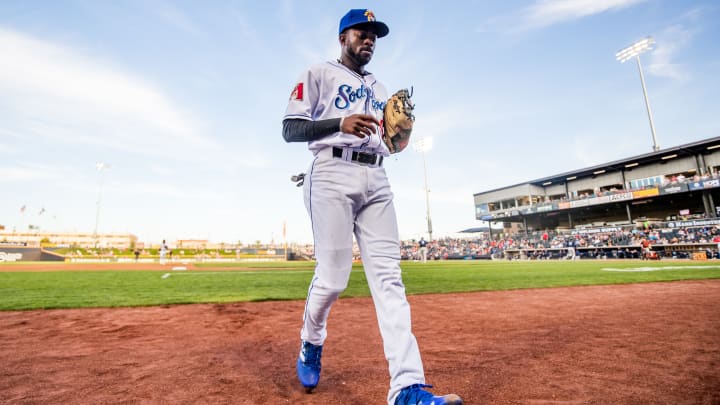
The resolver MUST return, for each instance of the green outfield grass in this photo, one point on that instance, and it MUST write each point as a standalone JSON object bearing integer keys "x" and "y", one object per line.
{"x": 21, "y": 290}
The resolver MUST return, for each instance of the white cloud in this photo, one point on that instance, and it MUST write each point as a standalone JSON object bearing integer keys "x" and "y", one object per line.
{"x": 26, "y": 173}
{"x": 544, "y": 13}
{"x": 7, "y": 149}
{"x": 54, "y": 91}
{"x": 670, "y": 42}
{"x": 548, "y": 12}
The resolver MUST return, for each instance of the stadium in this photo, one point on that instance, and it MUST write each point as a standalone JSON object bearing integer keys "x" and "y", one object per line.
{"x": 160, "y": 125}
{"x": 678, "y": 183}
{"x": 651, "y": 196}
{"x": 211, "y": 329}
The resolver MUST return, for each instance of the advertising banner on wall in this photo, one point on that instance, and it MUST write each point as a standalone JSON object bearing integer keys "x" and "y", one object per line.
{"x": 694, "y": 222}
{"x": 621, "y": 197}
{"x": 648, "y": 192}
{"x": 674, "y": 189}
{"x": 700, "y": 185}
{"x": 605, "y": 229}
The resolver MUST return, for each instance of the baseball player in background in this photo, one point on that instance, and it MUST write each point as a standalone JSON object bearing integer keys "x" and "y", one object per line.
{"x": 163, "y": 252}
{"x": 337, "y": 107}
{"x": 423, "y": 250}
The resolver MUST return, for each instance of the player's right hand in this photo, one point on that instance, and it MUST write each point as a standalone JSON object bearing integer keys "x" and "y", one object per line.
{"x": 360, "y": 125}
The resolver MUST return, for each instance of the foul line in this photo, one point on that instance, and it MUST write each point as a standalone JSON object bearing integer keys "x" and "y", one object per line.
{"x": 639, "y": 269}
{"x": 202, "y": 273}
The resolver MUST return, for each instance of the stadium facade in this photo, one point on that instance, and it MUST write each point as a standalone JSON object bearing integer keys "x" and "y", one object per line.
{"x": 62, "y": 239}
{"x": 676, "y": 185}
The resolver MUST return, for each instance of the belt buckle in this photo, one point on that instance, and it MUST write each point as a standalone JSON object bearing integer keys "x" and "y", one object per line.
{"x": 366, "y": 158}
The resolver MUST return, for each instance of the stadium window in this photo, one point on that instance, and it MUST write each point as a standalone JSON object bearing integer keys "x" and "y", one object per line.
{"x": 645, "y": 182}
{"x": 508, "y": 204}
{"x": 611, "y": 188}
{"x": 483, "y": 208}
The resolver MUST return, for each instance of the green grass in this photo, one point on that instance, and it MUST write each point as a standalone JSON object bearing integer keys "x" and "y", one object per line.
{"x": 21, "y": 290}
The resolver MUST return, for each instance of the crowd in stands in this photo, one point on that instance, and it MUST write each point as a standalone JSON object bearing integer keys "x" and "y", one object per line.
{"x": 612, "y": 242}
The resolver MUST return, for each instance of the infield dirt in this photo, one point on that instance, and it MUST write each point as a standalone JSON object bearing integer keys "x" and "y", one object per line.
{"x": 624, "y": 344}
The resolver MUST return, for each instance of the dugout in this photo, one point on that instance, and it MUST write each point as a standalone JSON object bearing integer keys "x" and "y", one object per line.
{"x": 677, "y": 183}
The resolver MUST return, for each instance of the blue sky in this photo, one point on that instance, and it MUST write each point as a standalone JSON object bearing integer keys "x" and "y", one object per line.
{"x": 184, "y": 101}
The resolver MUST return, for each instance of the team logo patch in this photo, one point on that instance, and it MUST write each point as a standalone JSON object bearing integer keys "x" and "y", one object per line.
{"x": 297, "y": 93}
{"x": 370, "y": 15}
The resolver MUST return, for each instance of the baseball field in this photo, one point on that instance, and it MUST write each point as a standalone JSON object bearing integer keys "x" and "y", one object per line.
{"x": 496, "y": 332}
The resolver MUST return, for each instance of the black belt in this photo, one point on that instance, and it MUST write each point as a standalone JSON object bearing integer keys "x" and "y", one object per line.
{"x": 360, "y": 157}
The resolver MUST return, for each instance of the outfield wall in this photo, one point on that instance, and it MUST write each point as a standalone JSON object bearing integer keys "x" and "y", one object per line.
{"x": 28, "y": 254}
{"x": 674, "y": 251}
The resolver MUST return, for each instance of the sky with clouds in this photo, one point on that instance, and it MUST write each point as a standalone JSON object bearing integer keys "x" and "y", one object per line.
{"x": 183, "y": 103}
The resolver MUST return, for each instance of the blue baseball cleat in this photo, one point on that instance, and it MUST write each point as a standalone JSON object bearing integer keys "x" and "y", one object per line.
{"x": 308, "y": 365}
{"x": 416, "y": 395}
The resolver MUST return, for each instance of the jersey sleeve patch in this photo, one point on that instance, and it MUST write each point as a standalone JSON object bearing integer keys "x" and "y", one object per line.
{"x": 297, "y": 93}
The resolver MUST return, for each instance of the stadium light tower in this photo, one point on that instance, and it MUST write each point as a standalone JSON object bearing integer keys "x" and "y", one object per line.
{"x": 634, "y": 51}
{"x": 101, "y": 167}
{"x": 423, "y": 145}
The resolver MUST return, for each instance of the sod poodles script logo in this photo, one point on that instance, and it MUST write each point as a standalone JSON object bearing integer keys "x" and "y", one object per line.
{"x": 346, "y": 96}
{"x": 10, "y": 257}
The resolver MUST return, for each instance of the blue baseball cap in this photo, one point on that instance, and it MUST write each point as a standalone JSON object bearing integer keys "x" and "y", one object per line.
{"x": 362, "y": 16}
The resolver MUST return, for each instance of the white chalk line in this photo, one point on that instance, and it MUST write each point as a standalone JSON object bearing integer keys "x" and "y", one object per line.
{"x": 202, "y": 273}
{"x": 662, "y": 268}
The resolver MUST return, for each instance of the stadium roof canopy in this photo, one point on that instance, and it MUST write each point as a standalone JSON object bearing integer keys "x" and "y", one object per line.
{"x": 475, "y": 230}
{"x": 689, "y": 149}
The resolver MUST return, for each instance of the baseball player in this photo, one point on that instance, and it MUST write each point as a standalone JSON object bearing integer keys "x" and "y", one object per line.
{"x": 337, "y": 107}
{"x": 423, "y": 249}
{"x": 163, "y": 252}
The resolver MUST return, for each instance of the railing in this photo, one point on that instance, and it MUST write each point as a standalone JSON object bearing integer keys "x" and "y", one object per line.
{"x": 676, "y": 250}
{"x": 627, "y": 194}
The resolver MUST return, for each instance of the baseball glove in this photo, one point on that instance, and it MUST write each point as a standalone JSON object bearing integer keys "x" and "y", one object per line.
{"x": 398, "y": 120}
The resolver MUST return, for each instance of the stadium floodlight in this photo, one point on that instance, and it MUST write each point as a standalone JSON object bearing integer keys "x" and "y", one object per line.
{"x": 101, "y": 167}
{"x": 634, "y": 51}
{"x": 423, "y": 145}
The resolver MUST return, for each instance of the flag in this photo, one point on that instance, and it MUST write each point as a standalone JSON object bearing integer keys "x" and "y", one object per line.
{"x": 297, "y": 93}
{"x": 41, "y": 211}
{"x": 284, "y": 229}
{"x": 22, "y": 209}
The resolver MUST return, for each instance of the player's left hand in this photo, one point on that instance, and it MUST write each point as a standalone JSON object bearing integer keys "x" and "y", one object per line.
{"x": 360, "y": 125}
